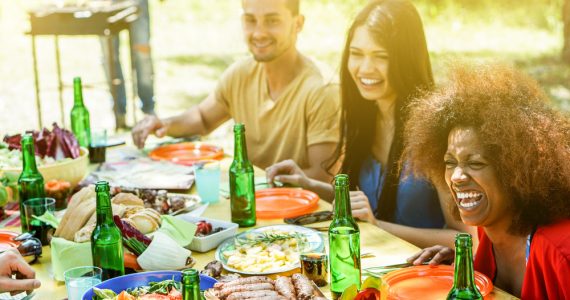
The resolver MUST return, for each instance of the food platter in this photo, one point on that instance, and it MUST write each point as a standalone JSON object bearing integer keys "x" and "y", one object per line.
{"x": 427, "y": 282}
{"x": 308, "y": 240}
{"x": 187, "y": 153}
{"x": 279, "y": 203}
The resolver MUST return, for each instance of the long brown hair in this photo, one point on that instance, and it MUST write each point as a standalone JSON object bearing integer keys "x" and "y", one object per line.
{"x": 397, "y": 26}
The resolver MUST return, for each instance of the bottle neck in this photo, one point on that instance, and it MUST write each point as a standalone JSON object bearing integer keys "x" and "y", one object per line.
{"x": 464, "y": 274}
{"x": 28, "y": 157}
{"x": 77, "y": 94}
{"x": 104, "y": 210}
{"x": 240, "y": 147}
{"x": 342, "y": 203}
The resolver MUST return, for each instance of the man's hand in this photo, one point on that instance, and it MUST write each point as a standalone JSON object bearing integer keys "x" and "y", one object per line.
{"x": 361, "y": 207}
{"x": 12, "y": 263}
{"x": 287, "y": 171}
{"x": 150, "y": 124}
{"x": 435, "y": 255}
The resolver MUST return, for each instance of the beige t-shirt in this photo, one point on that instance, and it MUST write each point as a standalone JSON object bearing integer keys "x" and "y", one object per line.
{"x": 306, "y": 113}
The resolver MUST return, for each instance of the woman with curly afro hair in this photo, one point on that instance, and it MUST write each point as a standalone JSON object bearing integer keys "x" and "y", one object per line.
{"x": 504, "y": 154}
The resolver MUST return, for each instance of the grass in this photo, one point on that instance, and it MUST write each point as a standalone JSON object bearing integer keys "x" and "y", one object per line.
{"x": 194, "y": 41}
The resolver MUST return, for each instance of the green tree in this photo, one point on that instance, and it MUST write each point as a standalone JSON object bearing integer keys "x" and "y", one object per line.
{"x": 566, "y": 20}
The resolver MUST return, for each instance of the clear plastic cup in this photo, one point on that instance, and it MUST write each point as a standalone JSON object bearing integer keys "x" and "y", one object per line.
{"x": 79, "y": 280}
{"x": 208, "y": 180}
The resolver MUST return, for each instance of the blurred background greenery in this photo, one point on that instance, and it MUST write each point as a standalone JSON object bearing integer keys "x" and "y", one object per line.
{"x": 195, "y": 40}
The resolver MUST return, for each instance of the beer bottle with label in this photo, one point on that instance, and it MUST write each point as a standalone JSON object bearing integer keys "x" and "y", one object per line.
{"x": 30, "y": 182}
{"x": 190, "y": 285}
{"x": 242, "y": 186}
{"x": 106, "y": 240}
{"x": 464, "y": 287}
{"x": 80, "y": 116}
{"x": 344, "y": 241}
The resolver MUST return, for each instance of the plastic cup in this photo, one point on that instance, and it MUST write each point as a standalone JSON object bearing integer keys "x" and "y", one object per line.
{"x": 98, "y": 146}
{"x": 208, "y": 181}
{"x": 37, "y": 207}
{"x": 79, "y": 280}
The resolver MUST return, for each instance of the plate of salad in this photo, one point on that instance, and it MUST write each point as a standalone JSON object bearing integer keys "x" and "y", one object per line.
{"x": 147, "y": 285}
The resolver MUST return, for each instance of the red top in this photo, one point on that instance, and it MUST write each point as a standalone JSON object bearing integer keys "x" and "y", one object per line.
{"x": 547, "y": 274}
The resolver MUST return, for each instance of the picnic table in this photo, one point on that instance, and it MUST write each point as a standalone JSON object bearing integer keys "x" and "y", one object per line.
{"x": 386, "y": 249}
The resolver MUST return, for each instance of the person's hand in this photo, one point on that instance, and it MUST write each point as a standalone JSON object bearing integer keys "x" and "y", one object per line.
{"x": 12, "y": 263}
{"x": 287, "y": 171}
{"x": 435, "y": 255}
{"x": 150, "y": 124}
{"x": 361, "y": 207}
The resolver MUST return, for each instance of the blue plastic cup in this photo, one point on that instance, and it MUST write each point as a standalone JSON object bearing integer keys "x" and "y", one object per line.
{"x": 208, "y": 181}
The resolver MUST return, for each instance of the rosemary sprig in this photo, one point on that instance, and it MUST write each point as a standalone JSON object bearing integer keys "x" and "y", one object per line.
{"x": 267, "y": 238}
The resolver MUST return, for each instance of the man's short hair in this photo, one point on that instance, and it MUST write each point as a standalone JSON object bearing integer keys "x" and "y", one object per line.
{"x": 293, "y": 6}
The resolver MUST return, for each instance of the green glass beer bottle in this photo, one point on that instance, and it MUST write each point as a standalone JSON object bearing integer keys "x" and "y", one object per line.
{"x": 80, "y": 116}
{"x": 190, "y": 285}
{"x": 242, "y": 186}
{"x": 464, "y": 287}
{"x": 106, "y": 241}
{"x": 344, "y": 241}
{"x": 30, "y": 182}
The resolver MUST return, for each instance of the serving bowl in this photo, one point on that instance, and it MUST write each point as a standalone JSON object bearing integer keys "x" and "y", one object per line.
{"x": 209, "y": 242}
{"x": 121, "y": 283}
{"x": 70, "y": 170}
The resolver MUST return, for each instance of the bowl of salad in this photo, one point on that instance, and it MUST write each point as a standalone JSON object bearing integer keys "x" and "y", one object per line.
{"x": 58, "y": 156}
{"x": 146, "y": 285}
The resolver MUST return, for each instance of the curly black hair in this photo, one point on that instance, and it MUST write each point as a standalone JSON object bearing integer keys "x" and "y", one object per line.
{"x": 528, "y": 139}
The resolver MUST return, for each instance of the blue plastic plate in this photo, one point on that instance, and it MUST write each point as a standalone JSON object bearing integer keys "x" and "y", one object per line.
{"x": 119, "y": 284}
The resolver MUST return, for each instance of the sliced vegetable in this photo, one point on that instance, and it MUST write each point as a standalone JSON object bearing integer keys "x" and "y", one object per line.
{"x": 58, "y": 143}
{"x": 163, "y": 253}
{"x": 129, "y": 231}
{"x": 103, "y": 294}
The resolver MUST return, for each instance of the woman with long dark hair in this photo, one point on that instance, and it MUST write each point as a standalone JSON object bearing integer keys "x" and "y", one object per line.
{"x": 385, "y": 63}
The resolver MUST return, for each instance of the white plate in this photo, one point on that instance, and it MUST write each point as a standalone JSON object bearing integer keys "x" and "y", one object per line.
{"x": 315, "y": 243}
{"x": 191, "y": 203}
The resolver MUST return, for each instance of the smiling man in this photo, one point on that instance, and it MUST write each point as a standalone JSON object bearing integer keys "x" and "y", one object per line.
{"x": 289, "y": 107}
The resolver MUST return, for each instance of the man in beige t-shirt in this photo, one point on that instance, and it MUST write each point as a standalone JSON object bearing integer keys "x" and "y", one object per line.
{"x": 289, "y": 108}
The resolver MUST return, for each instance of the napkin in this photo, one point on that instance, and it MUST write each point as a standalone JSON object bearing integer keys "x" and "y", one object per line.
{"x": 67, "y": 254}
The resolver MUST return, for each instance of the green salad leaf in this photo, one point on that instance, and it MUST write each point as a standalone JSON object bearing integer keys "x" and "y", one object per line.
{"x": 103, "y": 294}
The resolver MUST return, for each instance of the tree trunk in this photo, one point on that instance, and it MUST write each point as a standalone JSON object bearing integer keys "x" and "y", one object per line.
{"x": 566, "y": 20}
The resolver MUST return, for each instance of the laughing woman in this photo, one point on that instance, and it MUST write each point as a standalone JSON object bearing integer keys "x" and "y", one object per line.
{"x": 505, "y": 157}
{"x": 385, "y": 63}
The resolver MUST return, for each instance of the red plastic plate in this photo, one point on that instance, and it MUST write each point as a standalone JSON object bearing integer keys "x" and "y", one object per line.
{"x": 6, "y": 241}
{"x": 427, "y": 282}
{"x": 279, "y": 203}
{"x": 187, "y": 153}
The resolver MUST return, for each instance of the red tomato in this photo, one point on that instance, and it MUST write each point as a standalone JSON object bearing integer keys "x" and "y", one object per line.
{"x": 175, "y": 294}
{"x": 368, "y": 294}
